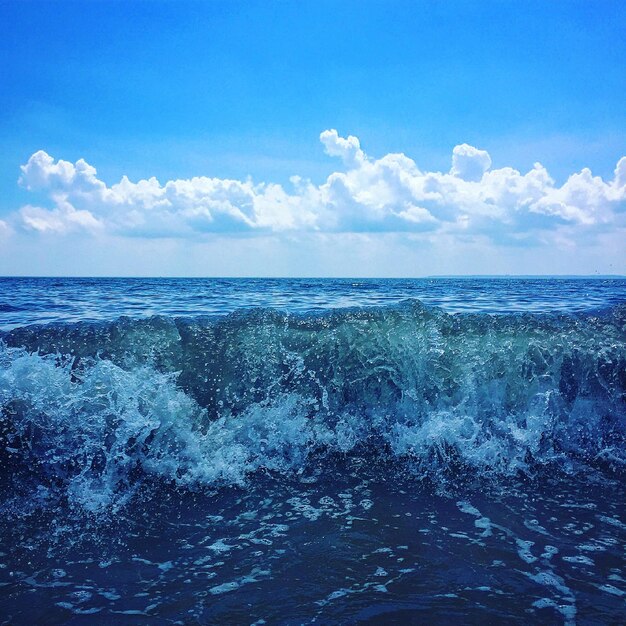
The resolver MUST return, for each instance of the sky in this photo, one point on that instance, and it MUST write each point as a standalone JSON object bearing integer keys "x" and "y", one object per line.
{"x": 353, "y": 138}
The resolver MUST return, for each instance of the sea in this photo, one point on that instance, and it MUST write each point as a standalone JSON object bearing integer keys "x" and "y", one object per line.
{"x": 312, "y": 451}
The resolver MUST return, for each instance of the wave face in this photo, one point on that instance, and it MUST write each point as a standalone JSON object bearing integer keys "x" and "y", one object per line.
{"x": 91, "y": 411}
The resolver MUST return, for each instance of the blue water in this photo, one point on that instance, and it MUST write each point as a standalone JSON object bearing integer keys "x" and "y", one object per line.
{"x": 43, "y": 300}
{"x": 245, "y": 451}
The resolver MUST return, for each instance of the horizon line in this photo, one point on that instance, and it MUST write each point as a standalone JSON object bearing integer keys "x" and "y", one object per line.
{"x": 284, "y": 277}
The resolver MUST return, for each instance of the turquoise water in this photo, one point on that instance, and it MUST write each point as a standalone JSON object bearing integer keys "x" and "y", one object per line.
{"x": 309, "y": 451}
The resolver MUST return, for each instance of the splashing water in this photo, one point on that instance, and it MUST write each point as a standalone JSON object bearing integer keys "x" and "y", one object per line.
{"x": 409, "y": 463}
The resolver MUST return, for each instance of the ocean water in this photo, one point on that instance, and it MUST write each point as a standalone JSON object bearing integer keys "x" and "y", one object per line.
{"x": 250, "y": 451}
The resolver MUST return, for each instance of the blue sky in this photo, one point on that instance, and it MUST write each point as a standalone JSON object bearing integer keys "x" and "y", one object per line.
{"x": 240, "y": 92}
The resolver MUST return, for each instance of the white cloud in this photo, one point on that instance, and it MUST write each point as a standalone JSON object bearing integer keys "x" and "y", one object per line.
{"x": 390, "y": 194}
{"x": 469, "y": 163}
{"x": 348, "y": 149}
{"x": 41, "y": 172}
{"x": 60, "y": 220}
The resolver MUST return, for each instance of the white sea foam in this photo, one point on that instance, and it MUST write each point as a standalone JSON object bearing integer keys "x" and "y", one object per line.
{"x": 208, "y": 403}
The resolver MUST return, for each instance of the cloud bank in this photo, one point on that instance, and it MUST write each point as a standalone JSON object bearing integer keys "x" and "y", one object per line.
{"x": 366, "y": 195}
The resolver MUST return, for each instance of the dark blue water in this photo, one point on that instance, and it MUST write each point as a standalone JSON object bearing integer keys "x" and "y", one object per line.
{"x": 309, "y": 451}
{"x": 42, "y": 300}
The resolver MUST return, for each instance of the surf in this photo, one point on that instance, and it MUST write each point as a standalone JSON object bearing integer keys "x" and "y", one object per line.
{"x": 90, "y": 410}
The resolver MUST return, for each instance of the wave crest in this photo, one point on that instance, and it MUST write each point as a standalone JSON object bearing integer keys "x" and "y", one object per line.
{"x": 91, "y": 410}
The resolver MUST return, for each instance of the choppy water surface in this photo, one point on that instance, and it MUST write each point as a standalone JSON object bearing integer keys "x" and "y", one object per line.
{"x": 325, "y": 452}
{"x": 42, "y": 300}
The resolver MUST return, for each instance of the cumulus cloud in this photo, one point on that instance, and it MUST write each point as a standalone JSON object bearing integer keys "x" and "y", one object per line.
{"x": 469, "y": 163}
{"x": 389, "y": 194}
{"x": 348, "y": 149}
{"x": 58, "y": 220}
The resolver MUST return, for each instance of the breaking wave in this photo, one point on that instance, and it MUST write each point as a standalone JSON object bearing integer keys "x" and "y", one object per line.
{"x": 90, "y": 411}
